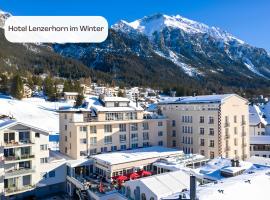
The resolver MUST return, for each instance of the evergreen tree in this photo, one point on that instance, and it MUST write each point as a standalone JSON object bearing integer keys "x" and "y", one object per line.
{"x": 120, "y": 93}
{"x": 79, "y": 100}
{"x": 49, "y": 88}
{"x": 17, "y": 87}
{"x": 3, "y": 84}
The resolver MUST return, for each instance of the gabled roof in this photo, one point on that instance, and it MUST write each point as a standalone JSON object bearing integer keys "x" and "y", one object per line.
{"x": 7, "y": 123}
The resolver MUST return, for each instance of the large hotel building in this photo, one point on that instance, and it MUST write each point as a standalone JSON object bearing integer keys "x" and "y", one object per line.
{"x": 109, "y": 124}
{"x": 212, "y": 125}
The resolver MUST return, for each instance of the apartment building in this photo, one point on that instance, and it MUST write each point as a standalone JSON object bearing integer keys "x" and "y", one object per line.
{"x": 211, "y": 125}
{"x": 109, "y": 124}
{"x": 23, "y": 150}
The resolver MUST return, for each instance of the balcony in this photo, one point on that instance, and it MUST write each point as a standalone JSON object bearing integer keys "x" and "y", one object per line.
{"x": 18, "y": 158}
{"x": 19, "y": 172}
{"x": 13, "y": 144}
{"x": 16, "y": 189}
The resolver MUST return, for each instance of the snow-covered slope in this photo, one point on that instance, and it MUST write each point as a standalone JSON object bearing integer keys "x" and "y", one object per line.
{"x": 33, "y": 111}
{"x": 156, "y": 23}
{"x": 3, "y": 16}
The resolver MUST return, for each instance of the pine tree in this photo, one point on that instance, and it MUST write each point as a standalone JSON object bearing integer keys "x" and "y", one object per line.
{"x": 79, "y": 100}
{"x": 3, "y": 84}
{"x": 49, "y": 89}
{"x": 17, "y": 87}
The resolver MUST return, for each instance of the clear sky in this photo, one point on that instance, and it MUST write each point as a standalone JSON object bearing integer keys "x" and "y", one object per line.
{"x": 249, "y": 20}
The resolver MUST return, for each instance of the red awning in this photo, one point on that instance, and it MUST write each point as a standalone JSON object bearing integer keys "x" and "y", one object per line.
{"x": 144, "y": 173}
{"x": 134, "y": 176}
{"x": 121, "y": 178}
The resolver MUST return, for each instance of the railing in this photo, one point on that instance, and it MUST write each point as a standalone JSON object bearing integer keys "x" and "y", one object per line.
{"x": 22, "y": 157}
{"x": 17, "y": 172}
{"x": 18, "y": 189}
{"x": 18, "y": 143}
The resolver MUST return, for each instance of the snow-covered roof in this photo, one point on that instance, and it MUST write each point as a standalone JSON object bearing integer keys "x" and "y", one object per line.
{"x": 95, "y": 103}
{"x": 136, "y": 155}
{"x": 255, "y": 116}
{"x": 117, "y": 99}
{"x": 259, "y": 160}
{"x": 220, "y": 98}
{"x": 247, "y": 187}
{"x": 262, "y": 139}
{"x": 163, "y": 185}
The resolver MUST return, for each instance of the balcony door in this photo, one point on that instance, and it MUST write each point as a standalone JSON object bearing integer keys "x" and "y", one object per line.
{"x": 24, "y": 137}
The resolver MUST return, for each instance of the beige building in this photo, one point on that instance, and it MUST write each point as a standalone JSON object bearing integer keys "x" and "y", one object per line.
{"x": 24, "y": 149}
{"x": 212, "y": 125}
{"x": 109, "y": 124}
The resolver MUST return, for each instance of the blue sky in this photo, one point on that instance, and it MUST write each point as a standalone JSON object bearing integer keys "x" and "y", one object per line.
{"x": 246, "y": 19}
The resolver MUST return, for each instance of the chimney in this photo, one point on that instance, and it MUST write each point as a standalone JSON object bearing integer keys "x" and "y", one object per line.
{"x": 192, "y": 188}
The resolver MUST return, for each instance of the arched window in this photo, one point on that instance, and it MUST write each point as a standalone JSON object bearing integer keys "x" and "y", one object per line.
{"x": 152, "y": 198}
{"x": 143, "y": 197}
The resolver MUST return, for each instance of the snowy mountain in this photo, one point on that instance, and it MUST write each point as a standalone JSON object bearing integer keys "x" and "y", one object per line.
{"x": 182, "y": 46}
{"x": 3, "y": 17}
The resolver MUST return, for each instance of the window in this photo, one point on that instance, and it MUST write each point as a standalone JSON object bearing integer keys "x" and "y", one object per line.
{"x": 9, "y": 137}
{"x": 235, "y": 119}
{"x": 65, "y": 116}
{"x": 160, "y": 123}
{"x": 145, "y": 136}
{"x": 113, "y": 148}
{"x": 212, "y": 155}
{"x": 83, "y": 141}
{"x": 201, "y": 119}
{"x": 66, "y": 138}
{"x": 135, "y": 145}
{"x": 134, "y": 127}
{"x": 235, "y": 142}
{"x": 173, "y": 123}
{"x": 93, "y": 151}
{"x": 65, "y": 152}
{"x": 122, "y": 138}
{"x": 187, "y": 119}
{"x": 202, "y": 142}
{"x": 160, "y": 143}
{"x": 107, "y": 128}
{"x": 201, "y": 131}
{"x": 103, "y": 149}
{"x": 123, "y": 147}
{"x": 93, "y": 129}
{"x": 43, "y": 160}
{"x": 65, "y": 127}
{"x": 145, "y": 144}
{"x": 122, "y": 127}
{"x": 174, "y": 143}
{"x": 160, "y": 133}
{"x": 134, "y": 137}
{"x": 52, "y": 174}
{"x": 37, "y": 135}
{"x": 108, "y": 139}
{"x": 212, "y": 143}
{"x": 211, "y": 131}
{"x": 93, "y": 140}
{"x": 43, "y": 147}
{"x": 114, "y": 116}
{"x": 83, "y": 153}
{"x": 174, "y": 133}
{"x": 26, "y": 180}
{"x": 235, "y": 130}
{"x": 145, "y": 126}
{"x": 83, "y": 128}
{"x": 211, "y": 120}
{"x": 202, "y": 152}
{"x": 143, "y": 197}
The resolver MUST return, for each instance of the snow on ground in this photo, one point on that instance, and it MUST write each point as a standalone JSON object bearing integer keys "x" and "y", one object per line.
{"x": 34, "y": 111}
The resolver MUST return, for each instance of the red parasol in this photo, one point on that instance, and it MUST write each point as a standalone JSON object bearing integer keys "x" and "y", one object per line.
{"x": 144, "y": 173}
{"x": 134, "y": 176}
